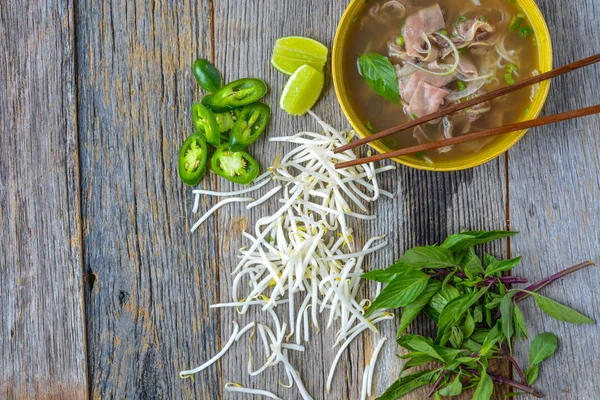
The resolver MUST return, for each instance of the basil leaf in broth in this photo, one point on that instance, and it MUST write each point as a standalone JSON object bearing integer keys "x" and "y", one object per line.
{"x": 380, "y": 75}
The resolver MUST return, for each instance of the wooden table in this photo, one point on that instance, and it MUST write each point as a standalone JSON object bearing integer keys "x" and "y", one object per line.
{"x": 105, "y": 293}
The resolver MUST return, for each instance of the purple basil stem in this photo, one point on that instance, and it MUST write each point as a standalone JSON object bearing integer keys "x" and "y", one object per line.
{"x": 545, "y": 282}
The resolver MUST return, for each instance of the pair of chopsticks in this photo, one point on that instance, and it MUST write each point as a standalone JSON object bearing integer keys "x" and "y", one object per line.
{"x": 470, "y": 103}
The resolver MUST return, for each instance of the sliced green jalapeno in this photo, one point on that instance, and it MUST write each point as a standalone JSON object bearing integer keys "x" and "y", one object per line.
{"x": 236, "y": 94}
{"x": 225, "y": 121}
{"x": 206, "y": 124}
{"x": 193, "y": 158}
{"x": 236, "y": 166}
{"x": 248, "y": 127}
{"x": 208, "y": 77}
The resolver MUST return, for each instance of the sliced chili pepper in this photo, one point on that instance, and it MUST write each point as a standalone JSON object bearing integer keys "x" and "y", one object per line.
{"x": 193, "y": 158}
{"x": 208, "y": 77}
{"x": 236, "y": 166}
{"x": 225, "y": 121}
{"x": 237, "y": 94}
{"x": 248, "y": 127}
{"x": 206, "y": 124}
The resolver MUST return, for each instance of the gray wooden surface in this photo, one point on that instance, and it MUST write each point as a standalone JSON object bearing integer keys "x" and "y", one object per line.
{"x": 554, "y": 176}
{"x": 42, "y": 322}
{"x": 113, "y": 79}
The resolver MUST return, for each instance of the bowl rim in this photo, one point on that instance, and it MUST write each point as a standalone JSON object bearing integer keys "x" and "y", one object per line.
{"x": 545, "y": 53}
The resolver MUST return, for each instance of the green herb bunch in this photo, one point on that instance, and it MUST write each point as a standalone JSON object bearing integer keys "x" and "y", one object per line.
{"x": 476, "y": 312}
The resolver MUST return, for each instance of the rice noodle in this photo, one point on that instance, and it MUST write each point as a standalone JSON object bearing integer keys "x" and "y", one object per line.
{"x": 471, "y": 89}
{"x": 452, "y": 69}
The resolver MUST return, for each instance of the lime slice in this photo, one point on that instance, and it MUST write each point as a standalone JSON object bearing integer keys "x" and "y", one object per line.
{"x": 302, "y": 90}
{"x": 292, "y": 52}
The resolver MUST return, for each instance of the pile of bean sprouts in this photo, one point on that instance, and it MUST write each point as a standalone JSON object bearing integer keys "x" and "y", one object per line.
{"x": 305, "y": 250}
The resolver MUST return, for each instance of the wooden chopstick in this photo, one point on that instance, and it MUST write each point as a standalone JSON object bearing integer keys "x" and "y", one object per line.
{"x": 473, "y": 136}
{"x": 470, "y": 103}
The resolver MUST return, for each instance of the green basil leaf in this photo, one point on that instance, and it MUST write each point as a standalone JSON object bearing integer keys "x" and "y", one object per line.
{"x": 485, "y": 387}
{"x": 468, "y": 326}
{"x": 473, "y": 267}
{"x": 428, "y": 256}
{"x": 456, "y": 337}
{"x": 520, "y": 323}
{"x": 417, "y": 361}
{"x": 559, "y": 311}
{"x": 413, "y": 309}
{"x": 477, "y": 314}
{"x": 504, "y": 265}
{"x": 493, "y": 336}
{"x": 424, "y": 348}
{"x": 532, "y": 373}
{"x": 447, "y": 279}
{"x": 405, "y": 340}
{"x": 440, "y": 299}
{"x": 453, "y": 389}
{"x": 464, "y": 240}
{"x": 386, "y": 275}
{"x": 489, "y": 259}
{"x": 454, "y": 312}
{"x": 447, "y": 354}
{"x": 407, "y": 384}
{"x": 401, "y": 291}
{"x": 507, "y": 307}
{"x": 542, "y": 347}
{"x": 380, "y": 74}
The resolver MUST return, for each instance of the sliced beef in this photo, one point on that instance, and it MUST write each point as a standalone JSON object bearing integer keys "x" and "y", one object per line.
{"x": 467, "y": 68}
{"x": 424, "y": 22}
{"x": 473, "y": 29}
{"x": 426, "y": 100}
{"x": 397, "y": 54}
{"x": 411, "y": 83}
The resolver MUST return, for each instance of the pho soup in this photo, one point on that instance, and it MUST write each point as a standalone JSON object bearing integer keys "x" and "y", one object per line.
{"x": 405, "y": 59}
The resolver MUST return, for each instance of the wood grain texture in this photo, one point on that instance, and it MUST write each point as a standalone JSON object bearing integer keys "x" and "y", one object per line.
{"x": 150, "y": 280}
{"x": 554, "y": 187}
{"x": 42, "y": 330}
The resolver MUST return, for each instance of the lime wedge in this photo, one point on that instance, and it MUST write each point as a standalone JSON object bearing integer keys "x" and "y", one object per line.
{"x": 292, "y": 52}
{"x": 302, "y": 90}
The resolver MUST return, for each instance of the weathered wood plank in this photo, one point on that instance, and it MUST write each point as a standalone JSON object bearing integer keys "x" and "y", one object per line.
{"x": 428, "y": 207}
{"x": 42, "y": 333}
{"x": 554, "y": 189}
{"x": 150, "y": 281}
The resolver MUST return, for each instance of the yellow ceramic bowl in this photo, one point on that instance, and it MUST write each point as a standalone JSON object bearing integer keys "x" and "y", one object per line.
{"x": 489, "y": 152}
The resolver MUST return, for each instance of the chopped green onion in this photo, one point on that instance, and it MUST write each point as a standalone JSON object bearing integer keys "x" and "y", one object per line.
{"x": 461, "y": 86}
{"x": 510, "y": 68}
{"x": 527, "y": 111}
{"x": 420, "y": 155}
{"x": 516, "y": 21}
{"x": 463, "y": 50}
{"x": 400, "y": 40}
{"x": 460, "y": 20}
{"x": 444, "y": 32}
{"x": 509, "y": 79}
{"x": 413, "y": 116}
{"x": 525, "y": 31}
